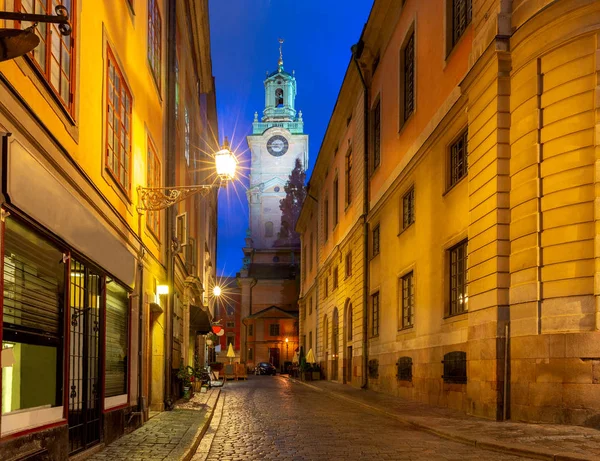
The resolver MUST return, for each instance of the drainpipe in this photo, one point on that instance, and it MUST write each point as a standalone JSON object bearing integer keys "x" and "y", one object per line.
{"x": 356, "y": 54}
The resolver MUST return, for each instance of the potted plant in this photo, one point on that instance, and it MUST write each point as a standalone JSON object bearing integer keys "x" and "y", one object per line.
{"x": 185, "y": 374}
{"x": 316, "y": 372}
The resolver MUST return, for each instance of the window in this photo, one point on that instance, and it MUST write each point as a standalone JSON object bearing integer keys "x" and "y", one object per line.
{"x": 326, "y": 218}
{"x": 154, "y": 40}
{"x": 349, "y": 322}
{"x": 408, "y": 208}
{"x": 458, "y": 279}
{"x": 34, "y": 290}
{"x": 279, "y": 97}
{"x": 376, "y": 130}
{"x": 309, "y": 305}
{"x": 462, "y": 11}
{"x": 458, "y": 159}
{"x": 375, "y": 314}
{"x": 326, "y": 286}
{"x": 230, "y": 324}
{"x": 250, "y": 354}
{"x": 404, "y": 369}
{"x": 310, "y": 340}
{"x": 117, "y": 342}
{"x": 455, "y": 367}
{"x": 349, "y": 264}
{"x": 118, "y": 125}
{"x": 268, "y": 229}
{"x": 303, "y": 308}
{"x": 409, "y": 77}
{"x": 335, "y": 278}
{"x": 54, "y": 56}
{"x": 408, "y": 300}
{"x": 250, "y": 330}
{"x": 230, "y": 340}
{"x": 153, "y": 180}
{"x": 181, "y": 228}
{"x": 186, "y": 136}
{"x": 310, "y": 252}
{"x": 375, "y": 240}
{"x": 304, "y": 262}
{"x": 349, "y": 177}
{"x": 274, "y": 329}
{"x": 336, "y": 194}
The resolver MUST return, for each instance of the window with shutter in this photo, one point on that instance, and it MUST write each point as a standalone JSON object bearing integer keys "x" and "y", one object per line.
{"x": 117, "y": 343}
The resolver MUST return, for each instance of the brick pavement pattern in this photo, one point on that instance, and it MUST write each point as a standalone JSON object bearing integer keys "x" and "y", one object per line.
{"x": 168, "y": 436}
{"x": 272, "y": 418}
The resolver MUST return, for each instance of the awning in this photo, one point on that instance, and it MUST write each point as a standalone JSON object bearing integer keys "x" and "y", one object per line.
{"x": 199, "y": 321}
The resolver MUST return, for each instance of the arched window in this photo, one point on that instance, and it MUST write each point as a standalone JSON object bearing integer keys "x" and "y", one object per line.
{"x": 268, "y": 229}
{"x": 279, "y": 97}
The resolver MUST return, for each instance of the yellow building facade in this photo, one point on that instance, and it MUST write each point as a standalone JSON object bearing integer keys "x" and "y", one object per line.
{"x": 85, "y": 120}
{"x": 481, "y": 221}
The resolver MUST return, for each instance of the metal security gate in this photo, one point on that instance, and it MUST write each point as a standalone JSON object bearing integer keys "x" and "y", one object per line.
{"x": 84, "y": 358}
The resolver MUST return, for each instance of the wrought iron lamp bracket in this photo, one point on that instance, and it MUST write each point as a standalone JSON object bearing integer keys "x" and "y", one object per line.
{"x": 160, "y": 198}
{"x": 61, "y": 18}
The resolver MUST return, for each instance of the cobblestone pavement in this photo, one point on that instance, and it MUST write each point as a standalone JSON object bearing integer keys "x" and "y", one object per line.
{"x": 171, "y": 435}
{"x": 269, "y": 417}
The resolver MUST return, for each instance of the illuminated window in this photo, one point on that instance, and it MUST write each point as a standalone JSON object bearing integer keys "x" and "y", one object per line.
{"x": 462, "y": 12}
{"x": 54, "y": 56}
{"x": 458, "y": 159}
{"x": 154, "y": 40}
{"x": 118, "y": 124}
{"x": 153, "y": 175}
{"x": 458, "y": 279}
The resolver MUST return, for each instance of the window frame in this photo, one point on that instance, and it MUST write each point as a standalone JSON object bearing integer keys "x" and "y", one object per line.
{"x": 272, "y": 328}
{"x": 335, "y": 278}
{"x": 463, "y": 152}
{"x": 374, "y": 314}
{"x": 375, "y": 237}
{"x": 336, "y": 201}
{"x": 407, "y": 300}
{"x": 155, "y": 42}
{"x": 454, "y": 36}
{"x": 349, "y": 264}
{"x": 111, "y": 58}
{"x": 403, "y": 117}
{"x": 453, "y": 301}
{"x": 408, "y": 208}
{"x": 375, "y": 156}
{"x": 408, "y": 76}
{"x": 45, "y": 73}
{"x": 348, "y": 177}
{"x": 326, "y": 217}
{"x": 153, "y": 179}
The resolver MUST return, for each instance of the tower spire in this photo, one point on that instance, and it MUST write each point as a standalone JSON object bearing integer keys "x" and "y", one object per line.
{"x": 280, "y": 63}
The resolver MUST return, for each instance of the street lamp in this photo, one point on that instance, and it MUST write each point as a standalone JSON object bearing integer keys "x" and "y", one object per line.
{"x": 159, "y": 198}
{"x": 287, "y": 345}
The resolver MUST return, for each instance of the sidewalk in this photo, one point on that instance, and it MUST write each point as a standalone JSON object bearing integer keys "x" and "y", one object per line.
{"x": 171, "y": 435}
{"x": 542, "y": 441}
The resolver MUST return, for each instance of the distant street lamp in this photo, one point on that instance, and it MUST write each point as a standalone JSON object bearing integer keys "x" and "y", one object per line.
{"x": 160, "y": 198}
{"x": 287, "y": 345}
{"x": 17, "y": 42}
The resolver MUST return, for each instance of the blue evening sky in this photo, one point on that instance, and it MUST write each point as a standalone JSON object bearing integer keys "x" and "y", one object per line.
{"x": 318, "y": 35}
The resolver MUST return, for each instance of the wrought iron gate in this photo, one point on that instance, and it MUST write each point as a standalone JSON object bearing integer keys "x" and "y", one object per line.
{"x": 84, "y": 357}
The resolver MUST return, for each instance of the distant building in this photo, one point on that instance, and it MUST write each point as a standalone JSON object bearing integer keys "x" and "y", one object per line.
{"x": 269, "y": 277}
{"x": 453, "y": 254}
{"x": 228, "y": 313}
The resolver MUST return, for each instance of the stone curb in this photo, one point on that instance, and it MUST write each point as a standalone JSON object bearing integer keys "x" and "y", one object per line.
{"x": 206, "y": 444}
{"x": 480, "y": 442}
{"x": 190, "y": 450}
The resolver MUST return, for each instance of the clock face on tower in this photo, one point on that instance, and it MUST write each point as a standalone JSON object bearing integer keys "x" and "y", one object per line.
{"x": 277, "y": 145}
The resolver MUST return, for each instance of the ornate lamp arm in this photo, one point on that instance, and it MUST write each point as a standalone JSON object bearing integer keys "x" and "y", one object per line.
{"x": 61, "y": 18}
{"x": 160, "y": 198}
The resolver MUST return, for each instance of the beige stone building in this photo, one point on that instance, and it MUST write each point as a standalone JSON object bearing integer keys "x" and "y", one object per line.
{"x": 482, "y": 152}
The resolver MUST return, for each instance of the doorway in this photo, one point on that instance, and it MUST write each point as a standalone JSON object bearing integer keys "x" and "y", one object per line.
{"x": 274, "y": 356}
{"x": 84, "y": 357}
{"x": 335, "y": 325}
{"x": 349, "y": 365}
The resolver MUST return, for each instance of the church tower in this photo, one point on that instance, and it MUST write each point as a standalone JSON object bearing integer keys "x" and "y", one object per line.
{"x": 277, "y": 140}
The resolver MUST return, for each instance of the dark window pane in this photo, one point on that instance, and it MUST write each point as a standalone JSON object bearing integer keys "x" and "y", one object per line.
{"x": 409, "y": 77}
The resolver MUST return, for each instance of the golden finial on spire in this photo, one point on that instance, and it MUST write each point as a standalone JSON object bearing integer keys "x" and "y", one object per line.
{"x": 280, "y": 53}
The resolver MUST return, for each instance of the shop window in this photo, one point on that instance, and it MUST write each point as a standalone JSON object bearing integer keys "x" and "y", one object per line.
{"x": 33, "y": 319}
{"x": 118, "y": 125}
{"x": 117, "y": 339}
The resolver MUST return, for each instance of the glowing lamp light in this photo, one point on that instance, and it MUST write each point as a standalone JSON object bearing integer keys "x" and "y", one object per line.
{"x": 162, "y": 289}
{"x": 226, "y": 162}
{"x": 287, "y": 340}
{"x": 217, "y": 291}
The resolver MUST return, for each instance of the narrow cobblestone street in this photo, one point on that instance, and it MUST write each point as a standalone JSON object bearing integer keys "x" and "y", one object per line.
{"x": 271, "y": 418}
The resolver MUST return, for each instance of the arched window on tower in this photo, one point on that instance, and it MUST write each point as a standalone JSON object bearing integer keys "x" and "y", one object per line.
{"x": 279, "y": 97}
{"x": 268, "y": 229}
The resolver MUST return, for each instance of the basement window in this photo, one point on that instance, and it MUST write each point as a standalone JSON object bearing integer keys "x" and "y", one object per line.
{"x": 455, "y": 367}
